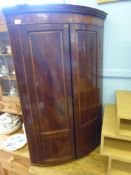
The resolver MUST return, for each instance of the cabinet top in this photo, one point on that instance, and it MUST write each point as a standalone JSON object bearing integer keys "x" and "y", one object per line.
{"x": 54, "y": 8}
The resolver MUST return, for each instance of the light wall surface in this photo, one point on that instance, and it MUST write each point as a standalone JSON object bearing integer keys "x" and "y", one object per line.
{"x": 117, "y": 46}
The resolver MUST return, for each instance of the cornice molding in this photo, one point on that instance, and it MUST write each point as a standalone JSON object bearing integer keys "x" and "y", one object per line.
{"x": 54, "y": 8}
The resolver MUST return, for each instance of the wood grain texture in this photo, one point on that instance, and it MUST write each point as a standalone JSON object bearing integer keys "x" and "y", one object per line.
{"x": 55, "y": 18}
{"x": 66, "y": 13}
{"x": 85, "y": 88}
{"x": 51, "y": 92}
{"x": 59, "y": 65}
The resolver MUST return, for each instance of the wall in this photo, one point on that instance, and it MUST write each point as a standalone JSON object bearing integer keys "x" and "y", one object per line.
{"x": 117, "y": 46}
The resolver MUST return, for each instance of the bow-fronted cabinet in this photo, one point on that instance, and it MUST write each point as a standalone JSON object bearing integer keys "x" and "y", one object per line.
{"x": 57, "y": 52}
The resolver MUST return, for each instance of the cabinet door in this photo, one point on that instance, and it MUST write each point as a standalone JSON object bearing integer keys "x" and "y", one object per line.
{"x": 42, "y": 61}
{"x": 85, "y": 50}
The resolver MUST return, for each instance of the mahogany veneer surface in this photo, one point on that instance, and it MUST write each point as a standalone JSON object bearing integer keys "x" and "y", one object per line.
{"x": 58, "y": 59}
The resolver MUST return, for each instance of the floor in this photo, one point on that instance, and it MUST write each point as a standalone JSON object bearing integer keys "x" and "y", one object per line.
{"x": 93, "y": 164}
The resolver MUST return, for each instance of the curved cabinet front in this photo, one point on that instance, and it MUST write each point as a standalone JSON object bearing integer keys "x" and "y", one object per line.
{"x": 85, "y": 45}
{"x": 58, "y": 58}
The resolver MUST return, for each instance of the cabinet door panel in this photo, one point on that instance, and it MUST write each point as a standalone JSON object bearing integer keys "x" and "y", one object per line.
{"x": 46, "y": 90}
{"x": 84, "y": 45}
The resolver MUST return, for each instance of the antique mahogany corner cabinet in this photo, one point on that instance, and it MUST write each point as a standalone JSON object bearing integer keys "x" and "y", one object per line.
{"x": 57, "y": 53}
